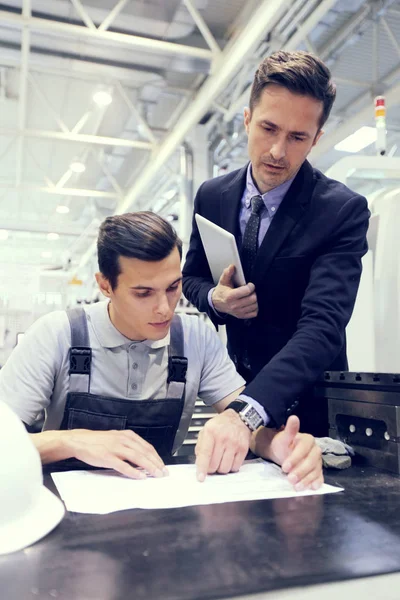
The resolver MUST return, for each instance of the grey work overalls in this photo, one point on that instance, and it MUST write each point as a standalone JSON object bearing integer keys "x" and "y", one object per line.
{"x": 156, "y": 421}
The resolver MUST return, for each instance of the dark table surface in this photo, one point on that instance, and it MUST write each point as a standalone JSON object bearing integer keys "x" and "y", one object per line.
{"x": 216, "y": 551}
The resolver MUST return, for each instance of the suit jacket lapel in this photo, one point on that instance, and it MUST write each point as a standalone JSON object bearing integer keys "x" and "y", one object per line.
{"x": 230, "y": 202}
{"x": 290, "y": 211}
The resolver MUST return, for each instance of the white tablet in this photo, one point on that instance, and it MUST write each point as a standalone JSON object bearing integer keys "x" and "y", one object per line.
{"x": 221, "y": 250}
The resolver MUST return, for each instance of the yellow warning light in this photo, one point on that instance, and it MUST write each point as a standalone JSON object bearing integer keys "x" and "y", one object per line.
{"x": 75, "y": 281}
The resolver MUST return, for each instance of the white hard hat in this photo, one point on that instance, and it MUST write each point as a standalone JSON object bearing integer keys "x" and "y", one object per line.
{"x": 28, "y": 511}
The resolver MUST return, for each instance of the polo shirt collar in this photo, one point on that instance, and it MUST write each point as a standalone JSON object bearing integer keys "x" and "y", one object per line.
{"x": 109, "y": 336}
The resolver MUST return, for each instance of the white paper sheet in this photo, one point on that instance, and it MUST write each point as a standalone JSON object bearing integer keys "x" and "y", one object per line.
{"x": 102, "y": 492}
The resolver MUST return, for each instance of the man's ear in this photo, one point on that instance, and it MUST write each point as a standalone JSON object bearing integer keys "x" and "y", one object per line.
{"x": 246, "y": 118}
{"x": 104, "y": 285}
{"x": 319, "y": 134}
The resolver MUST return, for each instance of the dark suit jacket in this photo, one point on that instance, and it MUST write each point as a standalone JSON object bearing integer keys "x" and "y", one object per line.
{"x": 306, "y": 276}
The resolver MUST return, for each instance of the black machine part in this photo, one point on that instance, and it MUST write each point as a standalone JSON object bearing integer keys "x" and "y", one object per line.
{"x": 364, "y": 412}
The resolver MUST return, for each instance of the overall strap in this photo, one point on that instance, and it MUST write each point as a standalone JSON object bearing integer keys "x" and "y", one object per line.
{"x": 80, "y": 354}
{"x": 177, "y": 362}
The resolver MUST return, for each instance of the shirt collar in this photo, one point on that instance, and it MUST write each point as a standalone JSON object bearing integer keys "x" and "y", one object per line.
{"x": 272, "y": 198}
{"x": 109, "y": 336}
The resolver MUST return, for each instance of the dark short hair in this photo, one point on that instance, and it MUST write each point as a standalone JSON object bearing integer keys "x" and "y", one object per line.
{"x": 143, "y": 235}
{"x": 301, "y": 73}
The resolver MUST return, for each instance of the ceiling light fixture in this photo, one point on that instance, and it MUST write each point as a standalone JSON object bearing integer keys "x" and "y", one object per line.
{"x": 358, "y": 140}
{"x": 63, "y": 210}
{"x": 77, "y": 166}
{"x": 3, "y": 234}
{"x": 102, "y": 98}
{"x": 52, "y": 236}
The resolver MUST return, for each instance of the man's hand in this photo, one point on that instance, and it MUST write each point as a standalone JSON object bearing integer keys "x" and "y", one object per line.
{"x": 222, "y": 444}
{"x": 239, "y": 302}
{"x": 296, "y": 452}
{"x": 117, "y": 450}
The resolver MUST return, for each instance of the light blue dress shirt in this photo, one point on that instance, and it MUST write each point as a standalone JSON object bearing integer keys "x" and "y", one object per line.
{"x": 272, "y": 201}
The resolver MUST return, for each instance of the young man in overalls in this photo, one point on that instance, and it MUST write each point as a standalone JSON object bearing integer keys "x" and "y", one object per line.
{"x": 118, "y": 380}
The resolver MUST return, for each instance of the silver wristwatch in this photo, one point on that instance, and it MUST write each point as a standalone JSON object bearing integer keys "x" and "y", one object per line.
{"x": 247, "y": 413}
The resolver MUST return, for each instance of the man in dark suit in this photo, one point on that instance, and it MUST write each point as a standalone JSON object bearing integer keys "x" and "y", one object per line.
{"x": 301, "y": 237}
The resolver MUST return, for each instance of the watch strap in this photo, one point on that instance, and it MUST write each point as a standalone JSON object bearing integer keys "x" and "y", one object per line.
{"x": 237, "y": 405}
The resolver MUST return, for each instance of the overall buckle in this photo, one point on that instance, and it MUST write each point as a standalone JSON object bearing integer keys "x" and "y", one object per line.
{"x": 79, "y": 361}
{"x": 177, "y": 367}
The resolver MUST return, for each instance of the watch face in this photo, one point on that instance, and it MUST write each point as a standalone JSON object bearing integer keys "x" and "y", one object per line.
{"x": 251, "y": 417}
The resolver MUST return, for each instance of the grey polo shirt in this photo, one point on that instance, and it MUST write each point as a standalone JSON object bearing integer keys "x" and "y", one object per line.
{"x": 35, "y": 377}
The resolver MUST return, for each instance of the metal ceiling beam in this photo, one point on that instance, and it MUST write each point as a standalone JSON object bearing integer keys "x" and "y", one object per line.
{"x": 23, "y": 91}
{"x": 241, "y": 79}
{"x": 370, "y": 10}
{"x": 136, "y": 114}
{"x": 338, "y": 38}
{"x": 40, "y": 227}
{"x": 290, "y": 16}
{"x": 65, "y": 177}
{"x": 82, "y": 138}
{"x": 184, "y": 103}
{"x": 296, "y": 23}
{"x": 83, "y": 14}
{"x": 97, "y": 77}
{"x": 101, "y": 161}
{"x": 78, "y": 192}
{"x": 112, "y": 15}
{"x": 47, "y": 104}
{"x": 202, "y": 26}
{"x": 375, "y": 51}
{"x": 35, "y": 160}
{"x": 77, "y": 63}
{"x": 80, "y": 124}
{"x": 350, "y": 124}
{"x": 303, "y": 30}
{"x": 59, "y": 191}
{"x": 82, "y": 31}
{"x": 99, "y": 115}
{"x": 7, "y": 149}
{"x": 391, "y": 35}
{"x": 225, "y": 67}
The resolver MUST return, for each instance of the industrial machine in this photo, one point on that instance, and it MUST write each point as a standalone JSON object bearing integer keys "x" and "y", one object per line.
{"x": 364, "y": 412}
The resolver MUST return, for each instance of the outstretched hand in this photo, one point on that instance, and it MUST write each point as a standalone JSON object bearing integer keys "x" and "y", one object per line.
{"x": 296, "y": 452}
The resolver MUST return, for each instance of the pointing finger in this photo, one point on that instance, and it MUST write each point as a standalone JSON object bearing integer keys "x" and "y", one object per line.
{"x": 204, "y": 451}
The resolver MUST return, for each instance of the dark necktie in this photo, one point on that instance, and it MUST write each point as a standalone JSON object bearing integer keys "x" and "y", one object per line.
{"x": 250, "y": 237}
